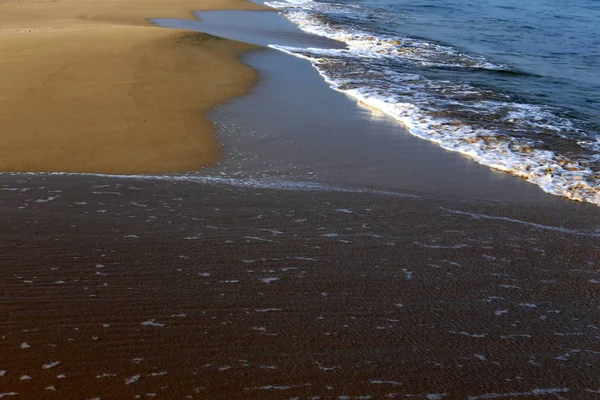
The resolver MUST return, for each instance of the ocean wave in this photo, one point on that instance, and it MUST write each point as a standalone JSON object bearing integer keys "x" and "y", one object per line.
{"x": 495, "y": 129}
{"x": 367, "y": 44}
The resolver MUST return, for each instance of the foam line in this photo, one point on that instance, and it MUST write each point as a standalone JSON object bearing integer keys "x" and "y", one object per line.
{"x": 518, "y": 221}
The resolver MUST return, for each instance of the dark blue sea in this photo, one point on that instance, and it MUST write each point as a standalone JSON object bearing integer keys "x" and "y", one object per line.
{"x": 515, "y": 85}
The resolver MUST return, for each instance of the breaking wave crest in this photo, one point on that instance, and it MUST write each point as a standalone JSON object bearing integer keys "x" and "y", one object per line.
{"x": 394, "y": 75}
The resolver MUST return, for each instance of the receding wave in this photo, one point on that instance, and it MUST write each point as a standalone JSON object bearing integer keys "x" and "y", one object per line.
{"x": 304, "y": 186}
{"x": 496, "y": 129}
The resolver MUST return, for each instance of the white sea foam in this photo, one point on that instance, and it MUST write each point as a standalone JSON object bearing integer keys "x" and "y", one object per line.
{"x": 51, "y": 365}
{"x": 518, "y": 221}
{"x": 133, "y": 379}
{"x": 368, "y": 45}
{"x": 152, "y": 322}
{"x": 384, "y": 382}
{"x": 534, "y": 392}
{"x": 301, "y": 186}
{"x": 420, "y": 104}
{"x": 552, "y": 172}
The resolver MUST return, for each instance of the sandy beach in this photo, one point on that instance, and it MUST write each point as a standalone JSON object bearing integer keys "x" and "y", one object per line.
{"x": 327, "y": 255}
{"x": 94, "y": 87}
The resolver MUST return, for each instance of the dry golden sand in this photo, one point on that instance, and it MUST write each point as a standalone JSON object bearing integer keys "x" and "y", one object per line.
{"x": 92, "y": 86}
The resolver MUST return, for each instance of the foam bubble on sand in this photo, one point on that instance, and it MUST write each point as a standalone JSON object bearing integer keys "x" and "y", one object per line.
{"x": 25, "y": 345}
{"x": 259, "y": 239}
{"x": 436, "y": 396}
{"x": 434, "y": 246}
{"x": 51, "y": 365}
{"x": 509, "y": 286}
{"x": 152, "y": 322}
{"x": 534, "y": 392}
{"x": 133, "y": 379}
{"x": 268, "y": 367}
{"x": 274, "y": 232}
{"x": 25, "y": 378}
{"x": 517, "y": 335}
{"x": 474, "y": 335}
{"x": 491, "y": 299}
{"x": 273, "y": 387}
{"x": 46, "y": 200}
{"x": 6, "y": 394}
{"x": 382, "y": 382}
{"x": 105, "y": 375}
{"x": 269, "y": 280}
{"x": 8, "y": 189}
{"x": 325, "y": 368}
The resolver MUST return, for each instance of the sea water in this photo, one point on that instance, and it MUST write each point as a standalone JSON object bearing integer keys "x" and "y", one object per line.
{"x": 514, "y": 85}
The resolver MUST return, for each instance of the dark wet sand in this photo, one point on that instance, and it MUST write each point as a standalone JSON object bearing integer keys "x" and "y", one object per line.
{"x": 141, "y": 288}
{"x": 182, "y": 290}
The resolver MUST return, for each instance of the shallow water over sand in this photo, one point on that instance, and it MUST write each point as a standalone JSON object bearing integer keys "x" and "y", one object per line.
{"x": 125, "y": 287}
{"x": 292, "y": 126}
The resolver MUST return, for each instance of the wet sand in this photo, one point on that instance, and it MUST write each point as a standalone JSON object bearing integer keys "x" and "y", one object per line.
{"x": 95, "y": 87}
{"x": 185, "y": 287}
{"x": 138, "y": 288}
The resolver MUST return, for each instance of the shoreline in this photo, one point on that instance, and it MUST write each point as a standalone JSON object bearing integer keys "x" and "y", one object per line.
{"x": 220, "y": 286}
{"x": 266, "y": 134}
{"x": 96, "y": 87}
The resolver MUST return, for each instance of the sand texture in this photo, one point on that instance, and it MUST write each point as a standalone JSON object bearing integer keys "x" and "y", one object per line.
{"x": 94, "y": 87}
{"x": 114, "y": 289}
